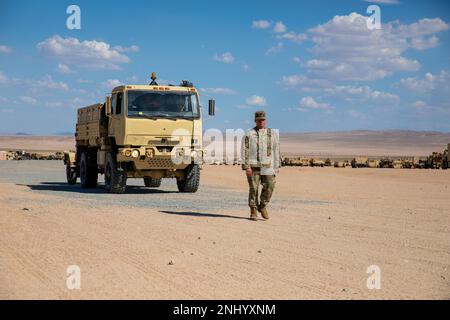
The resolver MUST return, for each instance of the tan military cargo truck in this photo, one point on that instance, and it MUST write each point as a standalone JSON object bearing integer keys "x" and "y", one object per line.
{"x": 374, "y": 163}
{"x": 446, "y": 158}
{"x": 140, "y": 131}
{"x": 360, "y": 162}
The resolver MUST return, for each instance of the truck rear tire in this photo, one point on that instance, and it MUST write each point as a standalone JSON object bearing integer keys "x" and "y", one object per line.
{"x": 152, "y": 183}
{"x": 71, "y": 174}
{"x": 115, "y": 179}
{"x": 191, "y": 181}
{"x": 88, "y": 173}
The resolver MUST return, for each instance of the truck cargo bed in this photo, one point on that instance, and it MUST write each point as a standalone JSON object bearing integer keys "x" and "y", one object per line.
{"x": 91, "y": 125}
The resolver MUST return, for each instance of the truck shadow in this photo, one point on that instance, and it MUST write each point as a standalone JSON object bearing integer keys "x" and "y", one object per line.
{"x": 64, "y": 187}
{"x": 202, "y": 214}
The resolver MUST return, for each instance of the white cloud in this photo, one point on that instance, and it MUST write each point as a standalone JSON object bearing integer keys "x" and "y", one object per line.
{"x": 310, "y": 103}
{"x": 5, "y": 49}
{"x": 354, "y": 52}
{"x": 62, "y": 68}
{"x": 279, "y": 27}
{"x": 280, "y": 30}
{"x": 84, "y": 54}
{"x": 304, "y": 84}
{"x": 256, "y": 101}
{"x": 292, "y": 36}
{"x": 361, "y": 94}
{"x": 48, "y": 82}
{"x": 421, "y": 105}
{"x": 226, "y": 57}
{"x": 346, "y": 94}
{"x": 423, "y": 27}
{"x": 245, "y": 67}
{"x": 275, "y": 49}
{"x": 428, "y": 83}
{"x": 423, "y": 43}
{"x": 110, "y": 84}
{"x": 318, "y": 64}
{"x": 133, "y": 48}
{"x": 261, "y": 24}
{"x": 28, "y": 100}
{"x": 426, "y": 108}
{"x": 55, "y": 104}
{"x": 224, "y": 91}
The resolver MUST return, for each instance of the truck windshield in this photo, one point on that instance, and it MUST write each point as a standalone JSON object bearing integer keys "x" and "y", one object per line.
{"x": 162, "y": 104}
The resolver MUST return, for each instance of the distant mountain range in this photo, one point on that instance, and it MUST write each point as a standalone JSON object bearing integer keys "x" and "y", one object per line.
{"x": 322, "y": 144}
{"x": 64, "y": 133}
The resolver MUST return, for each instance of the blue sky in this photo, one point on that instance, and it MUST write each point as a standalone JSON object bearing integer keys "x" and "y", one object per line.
{"x": 313, "y": 66}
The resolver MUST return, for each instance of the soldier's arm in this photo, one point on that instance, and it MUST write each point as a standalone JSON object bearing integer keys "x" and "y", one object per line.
{"x": 276, "y": 149}
{"x": 245, "y": 152}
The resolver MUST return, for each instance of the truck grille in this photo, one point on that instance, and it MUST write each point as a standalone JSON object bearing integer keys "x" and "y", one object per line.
{"x": 165, "y": 162}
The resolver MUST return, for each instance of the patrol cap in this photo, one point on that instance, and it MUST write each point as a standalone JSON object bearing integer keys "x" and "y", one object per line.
{"x": 260, "y": 115}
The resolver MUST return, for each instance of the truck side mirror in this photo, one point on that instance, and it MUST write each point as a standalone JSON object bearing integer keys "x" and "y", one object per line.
{"x": 108, "y": 105}
{"x": 211, "y": 107}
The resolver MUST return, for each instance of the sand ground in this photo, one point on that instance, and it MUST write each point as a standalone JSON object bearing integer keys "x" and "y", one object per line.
{"x": 327, "y": 227}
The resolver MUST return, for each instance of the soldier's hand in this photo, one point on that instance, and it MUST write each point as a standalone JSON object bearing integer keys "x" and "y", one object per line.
{"x": 248, "y": 172}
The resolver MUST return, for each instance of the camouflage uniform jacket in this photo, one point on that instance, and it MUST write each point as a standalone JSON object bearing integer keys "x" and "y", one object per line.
{"x": 261, "y": 149}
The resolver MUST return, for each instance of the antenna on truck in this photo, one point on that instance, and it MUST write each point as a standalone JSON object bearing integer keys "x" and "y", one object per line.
{"x": 153, "y": 77}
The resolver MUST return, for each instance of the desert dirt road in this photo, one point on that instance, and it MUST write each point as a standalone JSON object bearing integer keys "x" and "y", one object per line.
{"x": 327, "y": 227}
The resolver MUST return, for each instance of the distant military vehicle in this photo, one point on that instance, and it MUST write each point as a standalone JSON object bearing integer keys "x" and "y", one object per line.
{"x": 446, "y": 158}
{"x": 298, "y": 162}
{"x": 140, "y": 131}
{"x": 385, "y": 163}
{"x": 435, "y": 160}
{"x": 313, "y": 162}
{"x": 341, "y": 164}
{"x": 397, "y": 164}
{"x": 360, "y": 162}
{"x": 374, "y": 163}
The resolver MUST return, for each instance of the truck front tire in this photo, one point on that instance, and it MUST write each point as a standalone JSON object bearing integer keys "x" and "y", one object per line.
{"x": 115, "y": 179}
{"x": 191, "y": 180}
{"x": 71, "y": 174}
{"x": 152, "y": 183}
{"x": 88, "y": 173}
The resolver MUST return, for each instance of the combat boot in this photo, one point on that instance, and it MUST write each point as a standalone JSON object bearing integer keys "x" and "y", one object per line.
{"x": 264, "y": 212}
{"x": 253, "y": 214}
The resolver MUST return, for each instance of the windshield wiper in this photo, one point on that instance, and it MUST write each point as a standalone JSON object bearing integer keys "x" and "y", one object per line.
{"x": 157, "y": 116}
{"x": 146, "y": 116}
{"x": 164, "y": 116}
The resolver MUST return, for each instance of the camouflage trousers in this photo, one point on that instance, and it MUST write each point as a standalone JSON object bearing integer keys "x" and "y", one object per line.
{"x": 268, "y": 185}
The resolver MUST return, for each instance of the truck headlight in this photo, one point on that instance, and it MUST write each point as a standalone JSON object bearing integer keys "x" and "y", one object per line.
{"x": 135, "y": 153}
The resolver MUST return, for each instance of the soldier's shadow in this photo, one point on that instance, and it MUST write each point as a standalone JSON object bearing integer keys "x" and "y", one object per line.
{"x": 202, "y": 214}
{"x": 64, "y": 187}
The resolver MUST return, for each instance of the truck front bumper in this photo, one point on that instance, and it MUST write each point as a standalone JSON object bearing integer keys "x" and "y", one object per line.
{"x": 147, "y": 158}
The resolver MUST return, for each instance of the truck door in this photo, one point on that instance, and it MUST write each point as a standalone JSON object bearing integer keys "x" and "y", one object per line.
{"x": 117, "y": 122}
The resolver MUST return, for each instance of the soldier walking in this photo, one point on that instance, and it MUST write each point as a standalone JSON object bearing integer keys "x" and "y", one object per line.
{"x": 261, "y": 162}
